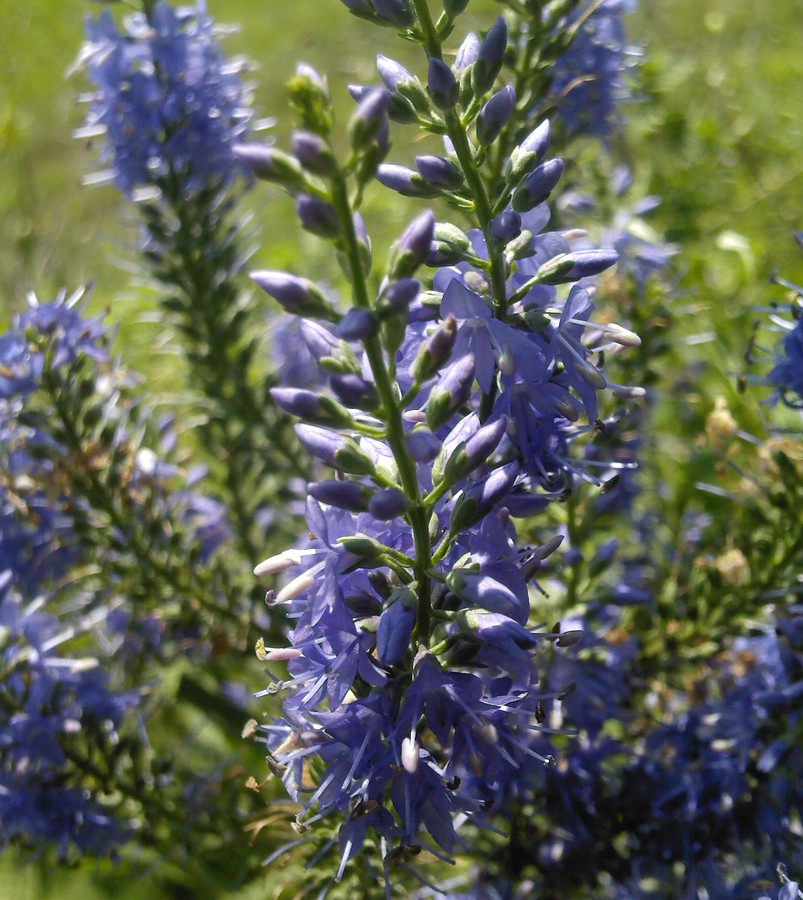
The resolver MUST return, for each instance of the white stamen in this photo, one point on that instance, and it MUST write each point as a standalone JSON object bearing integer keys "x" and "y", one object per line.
{"x": 409, "y": 755}
{"x": 273, "y": 565}
{"x": 295, "y": 588}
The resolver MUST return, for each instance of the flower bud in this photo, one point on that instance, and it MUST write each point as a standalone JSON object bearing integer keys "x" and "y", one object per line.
{"x": 538, "y": 185}
{"x": 413, "y": 247}
{"x": 475, "y": 450}
{"x": 396, "y": 626}
{"x": 505, "y": 228}
{"x": 388, "y": 504}
{"x": 318, "y": 339}
{"x": 450, "y": 392}
{"x": 483, "y": 590}
{"x": 369, "y": 119}
{"x": 422, "y": 444}
{"x": 309, "y": 405}
{"x": 434, "y": 352}
{"x": 350, "y": 495}
{"x": 313, "y": 152}
{"x": 404, "y": 181}
{"x": 491, "y": 56}
{"x": 450, "y": 245}
{"x": 537, "y": 141}
{"x": 357, "y": 325}
{"x": 338, "y": 451}
{"x": 441, "y": 84}
{"x": 439, "y": 171}
{"x": 453, "y": 8}
{"x": 392, "y": 73}
{"x": 296, "y": 295}
{"x": 495, "y": 114}
{"x": 355, "y": 391}
{"x": 360, "y": 8}
{"x": 270, "y": 164}
{"x": 398, "y": 295}
{"x": 394, "y": 12}
{"x": 481, "y": 498}
{"x": 317, "y": 216}
{"x": 575, "y": 265}
{"x": 468, "y": 52}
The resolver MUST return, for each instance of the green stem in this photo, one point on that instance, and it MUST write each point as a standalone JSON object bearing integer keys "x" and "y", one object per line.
{"x": 103, "y": 499}
{"x": 482, "y": 204}
{"x": 387, "y": 391}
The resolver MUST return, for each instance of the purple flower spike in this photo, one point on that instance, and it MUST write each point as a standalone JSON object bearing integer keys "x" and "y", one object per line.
{"x": 166, "y": 97}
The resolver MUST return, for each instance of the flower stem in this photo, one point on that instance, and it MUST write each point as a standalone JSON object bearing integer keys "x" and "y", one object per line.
{"x": 392, "y": 408}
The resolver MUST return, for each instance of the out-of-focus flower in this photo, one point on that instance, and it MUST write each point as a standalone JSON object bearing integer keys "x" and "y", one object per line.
{"x": 590, "y": 81}
{"x": 167, "y": 101}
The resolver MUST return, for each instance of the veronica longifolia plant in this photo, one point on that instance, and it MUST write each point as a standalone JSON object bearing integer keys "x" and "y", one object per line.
{"x": 169, "y": 107}
{"x": 453, "y": 398}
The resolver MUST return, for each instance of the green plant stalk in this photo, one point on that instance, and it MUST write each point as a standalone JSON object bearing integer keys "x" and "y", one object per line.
{"x": 393, "y": 414}
{"x": 102, "y": 499}
{"x": 482, "y": 204}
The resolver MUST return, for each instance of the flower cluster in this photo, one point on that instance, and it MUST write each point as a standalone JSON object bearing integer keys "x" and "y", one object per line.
{"x": 589, "y": 82}
{"x": 91, "y": 605}
{"x": 50, "y": 705}
{"x": 786, "y": 375}
{"x": 449, "y": 408}
{"x": 170, "y": 105}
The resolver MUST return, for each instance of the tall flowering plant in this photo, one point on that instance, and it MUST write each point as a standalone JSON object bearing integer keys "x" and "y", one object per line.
{"x": 459, "y": 378}
{"x": 169, "y": 107}
{"x": 496, "y": 640}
